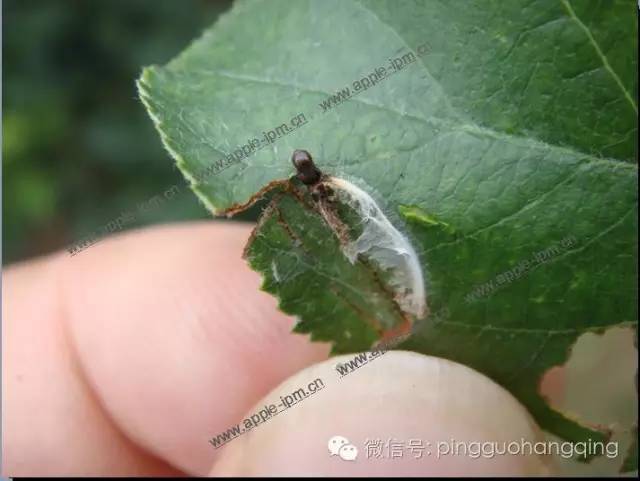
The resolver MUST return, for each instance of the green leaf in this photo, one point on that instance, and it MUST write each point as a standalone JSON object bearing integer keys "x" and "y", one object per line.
{"x": 505, "y": 152}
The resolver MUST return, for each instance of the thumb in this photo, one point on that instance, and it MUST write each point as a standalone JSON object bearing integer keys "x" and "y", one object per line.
{"x": 402, "y": 413}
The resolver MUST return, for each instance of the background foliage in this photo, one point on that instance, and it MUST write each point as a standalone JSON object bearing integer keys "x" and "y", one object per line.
{"x": 77, "y": 145}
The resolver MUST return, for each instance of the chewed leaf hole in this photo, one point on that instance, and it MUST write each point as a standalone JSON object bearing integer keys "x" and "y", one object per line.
{"x": 609, "y": 358}
{"x": 596, "y": 387}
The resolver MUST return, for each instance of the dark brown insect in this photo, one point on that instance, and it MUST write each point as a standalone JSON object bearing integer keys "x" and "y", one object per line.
{"x": 322, "y": 194}
{"x": 310, "y": 175}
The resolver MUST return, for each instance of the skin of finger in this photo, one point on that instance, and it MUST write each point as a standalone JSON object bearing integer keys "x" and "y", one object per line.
{"x": 51, "y": 423}
{"x": 173, "y": 335}
{"x": 392, "y": 400}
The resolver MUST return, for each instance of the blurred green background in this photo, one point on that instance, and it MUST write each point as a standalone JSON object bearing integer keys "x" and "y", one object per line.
{"x": 78, "y": 147}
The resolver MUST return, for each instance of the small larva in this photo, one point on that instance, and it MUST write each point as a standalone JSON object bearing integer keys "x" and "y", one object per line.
{"x": 379, "y": 240}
